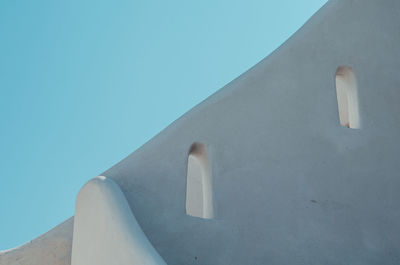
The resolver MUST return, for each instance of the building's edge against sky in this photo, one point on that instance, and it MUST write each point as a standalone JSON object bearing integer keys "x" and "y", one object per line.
{"x": 83, "y": 85}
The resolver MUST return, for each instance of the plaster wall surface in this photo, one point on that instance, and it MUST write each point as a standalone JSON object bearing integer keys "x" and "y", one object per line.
{"x": 52, "y": 248}
{"x": 290, "y": 184}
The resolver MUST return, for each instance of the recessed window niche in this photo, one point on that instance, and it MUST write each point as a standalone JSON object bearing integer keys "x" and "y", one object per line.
{"x": 347, "y": 97}
{"x": 199, "y": 194}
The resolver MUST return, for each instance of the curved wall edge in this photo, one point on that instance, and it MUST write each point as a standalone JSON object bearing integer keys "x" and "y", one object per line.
{"x": 105, "y": 229}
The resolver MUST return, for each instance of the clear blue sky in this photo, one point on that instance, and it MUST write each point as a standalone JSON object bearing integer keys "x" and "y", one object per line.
{"x": 85, "y": 83}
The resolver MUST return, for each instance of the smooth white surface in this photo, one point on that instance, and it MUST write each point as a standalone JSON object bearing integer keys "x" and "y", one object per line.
{"x": 105, "y": 230}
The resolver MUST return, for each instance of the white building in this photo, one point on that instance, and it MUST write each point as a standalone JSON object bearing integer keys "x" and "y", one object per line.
{"x": 297, "y": 161}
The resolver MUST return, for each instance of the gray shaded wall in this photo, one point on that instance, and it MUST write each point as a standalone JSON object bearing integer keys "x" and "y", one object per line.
{"x": 52, "y": 248}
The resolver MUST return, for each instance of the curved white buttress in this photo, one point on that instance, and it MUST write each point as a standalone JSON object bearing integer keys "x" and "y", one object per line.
{"x": 105, "y": 229}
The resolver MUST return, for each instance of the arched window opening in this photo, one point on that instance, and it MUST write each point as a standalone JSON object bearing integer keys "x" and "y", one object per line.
{"x": 199, "y": 197}
{"x": 346, "y": 92}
